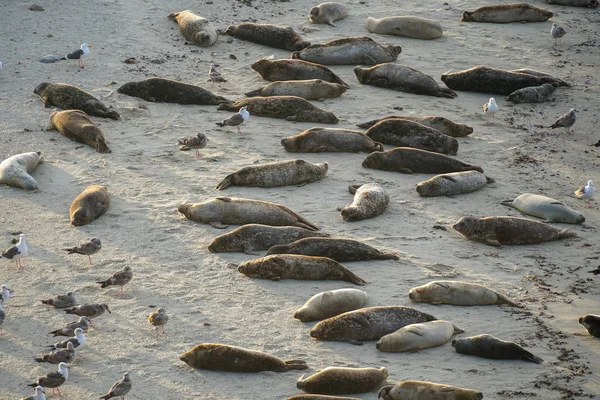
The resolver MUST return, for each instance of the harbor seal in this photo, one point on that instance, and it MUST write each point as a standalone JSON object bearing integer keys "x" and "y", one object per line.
{"x": 545, "y": 207}
{"x": 195, "y": 28}
{"x": 370, "y": 200}
{"x": 413, "y": 27}
{"x": 15, "y": 170}
{"x": 290, "y": 108}
{"x": 251, "y": 237}
{"x": 280, "y": 37}
{"x": 591, "y": 323}
{"x": 349, "y": 51}
{"x": 444, "y": 125}
{"x": 403, "y": 78}
{"x": 295, "y": 70}
{"x": 69, "y": 97}
{"x": 168, "y": 91}
{"x": 331, "y": 303}
{"x": 556, "y": 81}
{"x": 292, "y": 266}
{"x": 77, "y": 126}
{"x": 457, "y": 293}
{"x": 532, "y": 94}
{"x": 408, "y": 161}
{"x": 415, "y": 337}
{"x": 492, "y": 80}
{"x": 576, "y": 3}
{"x": 318, "y": 140}
{"x": 506, "y": 13}
{"x": 340, "y": 380}
{"x": 417, "y": 390}
{"x": 371, "y": 323}
{"x": 496, "y": 231}
{"x": 488, "y": 346}
{"x": 309, "y": 89}
{"x": 340, "y": 250}
{"x": 89, "y": 205}
{"x": 319, "y": 397}
{"x": 452, "y": 184}
{"x": 327, "y": 13}
{"x": 238, "y": 211}
{"x": 275, "y": 174}
{"x": 222, "y": 357}
{"x": 405, "y": 133}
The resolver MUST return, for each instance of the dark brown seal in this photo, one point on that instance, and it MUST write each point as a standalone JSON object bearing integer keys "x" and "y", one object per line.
{"x": 408, "y": 160}
{"x": 294, "y": 70}
{"x": 371, "y": 323}
{"x": 403, "y": 78}
{"x": 69, "y": 97}
{"x": 370, "y": 200}
{"x": 275, "y": 174}
{"x": 576, "y": 3}
{"x": 591, "y": 323}
{"x": 496, "y": 231}
{"x": 309, "y": 89}
{"x": 280, "y": 37}
{"x": 488, "y": 346}
{"x": 221, "y": 357}
{"x": 168, "y": 91}
{"x": 492, "y": 80}
{"x": 444, "y": 125}
{"x": 505, "y": 13}
{"x": 349, "y": 51}
{"x": 89, "y": 205}
{"x": 318, "y": 140}
{"x": 292, "y": 266}
{"x": 251, "y": 237}
{"x": 416, "y": 390}
{"x": 77, "y": 126}
{"x": 405, "y": 133}
{"x": 340, "y": 250}
{"x": 290, "y": 108}
{"x": 339, "y": 380}
{"x": 232, "y": 210}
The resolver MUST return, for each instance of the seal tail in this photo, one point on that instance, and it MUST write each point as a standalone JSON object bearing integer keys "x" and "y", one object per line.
{"x": 368, "y": 124}
{"x": 225, "y": 183}
{"x": 384, "y": 391}
{"x": 565, "y": 233}
{"x": 253, "y": 93}
{"x": 388, "y": 256}
{"x": 222, "y": 100}
{"x": 295, "y": 364}
{"x": 527, "y": 356}
{"x": 505, "y": 300}
{"x": 466, "y": 16}
{"x": 228, "y": 107}
{"x": 378, "y": 146}
{"x": 295, "y": 55}
{"x": 507, "y": 203}
{"x": 70, "y": 310}
{"x": 474, "y": 168}
{"x": 302, "y": 223}
{"x": 490, "y": 180}
{"x": 353, "y": 188}
{"x": 102, "y": 147}
{"x": 353, "y": 278}
{"x": 113, "y": 115}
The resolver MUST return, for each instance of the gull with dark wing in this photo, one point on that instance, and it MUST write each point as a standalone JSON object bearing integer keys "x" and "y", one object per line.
{"x": 59, "y": 355}
{"x": 557, "y": 32}
{"x": 119, "y": 389}
{"x": 118, "y": 279}
{"x": 86, "y": 248}
{"x": 236, "y": 119}
{"x": 62, "y": 300}
{"x": 69, "y": 330}
{"x": 38, "y": 394}
{"x": 78, "y": 341}
{"x": 17, "y": 251}
{"x": 91, "y": 310}
{"x": 54, "y": 379}
{"x": 79, "y": 54}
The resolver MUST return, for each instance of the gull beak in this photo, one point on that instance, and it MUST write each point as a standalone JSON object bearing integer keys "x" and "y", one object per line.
{"x": 89, "y": 46}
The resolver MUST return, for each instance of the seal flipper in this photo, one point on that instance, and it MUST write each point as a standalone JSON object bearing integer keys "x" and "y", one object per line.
{"x": 351, "y": 277}
{"x": 353, "y": 188}
{"x": 218, "y": 224}
{"x": 355, "y": 342}
{"x": 248, "y": 250}
{"x": 508, "y": 203}
{"x": 295, "y": 364}
{"x": 226, "y": 182}
{"x": 527, "y": 356}
{"x": 101, "y": 147}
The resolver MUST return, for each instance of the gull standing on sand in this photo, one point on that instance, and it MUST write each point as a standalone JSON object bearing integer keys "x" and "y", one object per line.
{"x": 194, "y": 142}
{"x": 78, "y": 341}
{"x": 79, "y": 54}
{"x": 5, "y": 293}
{"x": 38, "y": 394}
{"x": 565, "y": 121}
{"x": 60, "y": 355}
{"x": 490, "y": 108}
{"x": 118, "y": 278}
{"x": 69, "y": 330}
{"x": 236, "y": 119}
{"x": 92, "y": 310}
{"x": 119, "y": 389}
{"x": 62, "y": 300}
{"x": 87, "y": 248}
{"x": 17, "y": 251}
{"x": 158, "y": 318}
{"x": 214, "y": 75}
{"x": 586, "y": 192}
{"x": 557, "y": 32}
{"x": 53, "y": 379}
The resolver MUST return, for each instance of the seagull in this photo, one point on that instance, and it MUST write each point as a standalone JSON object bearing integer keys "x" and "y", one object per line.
{"x": 17, "y": 251}
{"x": 586, "y": 192}
{"x": 214, "y": 75}
{"x": 53, "y": 379}
{"x": 83, "y": 51}
{"x": 92, "y": 310}
{"x": 236, "y": 119}
{"x": 69, "y": 329}
{"x": 87, "y": 248}
{"x": 39, "y": 394}
{"x": 60, "y": 355}
{"x": 5, "y": 292}
{"x": 565, "y": 121}
{"x": 490, "y": 108}
{"x": 78, "y": 341}
{"x": 61, "y": 301}
{"x": 2, "y": 318}
{"x": 193, "y": 142}
{"x": 557, "y": 32}
{"x": 158, "y": 318}
{"x": 120, "y": 388}
{"x": 118, "y": 278}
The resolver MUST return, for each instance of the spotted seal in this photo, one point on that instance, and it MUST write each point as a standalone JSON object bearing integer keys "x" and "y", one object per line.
{"x": 532, "y": 94}
{"x": 169, "y": 91}
{"x": 341, "y": 250}
{"x": 370, "y": 200}
{"x": 349, "y": 51}
{"x": 280, "y": 37}
{"x": 444, "y": 125}
{"x": 15, "y": 170}
{"x": 69, "y": 97}
{"x": 327, "y": 13}
{"x": 505, "y": 13}
{"x": 452, "y": 184}
{"x": 418, "y": 390}
{"x": 77, "y": 126}
{"x": 89, "y": 205}
{"x": 413, "y": 27}
{"x": 488, "y": 346}
{"x": 339, "y": 380}
{"x": 317, "y": 140}
{"x": 195, "y": 28}
{"x": 309, "y": 89}
{"x": 415, "y": 337}
{"x": 295, "y": 70}
{"x": 545, "y": 207}
{"x": 331, "y": 303}
{"x": 408, "y": 161}
{"x": 457, "y": 293}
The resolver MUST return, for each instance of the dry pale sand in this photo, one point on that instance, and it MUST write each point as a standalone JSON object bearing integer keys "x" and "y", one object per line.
{"x": 206, "y": 298}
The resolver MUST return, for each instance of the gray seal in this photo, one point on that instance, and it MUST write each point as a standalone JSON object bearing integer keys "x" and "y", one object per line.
{"x": 413, "y": 27}
{"x": 556, "y": 81}
{"x": 545, "y": 207}
{"x": 195, "y": 28}
{"x": 444, "y": 125}
{"x": 532, "y": 94}
{"x": 452, "y": 184}
{"x": 408, "y": 161}
{"x": 15, "y": 170}
{"x": 349, "y": 51}
{"x": 405, "y": 133}
{"x": 331, "y": 303}
{"x": 339, "y": 380}
{"x": 403, "y": 78}
{"x": 370, "y": 200}
{"x": 506, "y": 13}
{"x": 488, "y": 346}
{"x": 295, "y": 70}
{"x": 89, "y": 205}
{"x": 318, "y": 140}
{"x": 309, "y": 89}
{"x": 280, "y": 37}
{"x": 77, "y": 126}
{"x": 340, "y": 250}
{"x": 275, "y": 174}
{"x": 591, "y": 323}
{"x": 69, "y": 97}
{"x": 251, "y": 237}
{"x": 416, "y": 390}
{"x": 576, "y": 3}
{"x": 457, "y": 293}
{"x": 168, "y": 91}
{"x": 415, "y": 337}
{"x": 327, "y": 13}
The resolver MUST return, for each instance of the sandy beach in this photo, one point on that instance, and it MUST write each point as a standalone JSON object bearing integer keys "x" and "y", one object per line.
{"x": 207, "y": 300}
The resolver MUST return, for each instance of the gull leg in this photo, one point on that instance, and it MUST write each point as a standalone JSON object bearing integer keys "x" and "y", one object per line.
{"x": 122, "y": 291}
{"x": 90, "y": 258}
{"x": 198, "y": 155}
{"x": 91, "y": 324}
{"x": 239, "y": 130}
